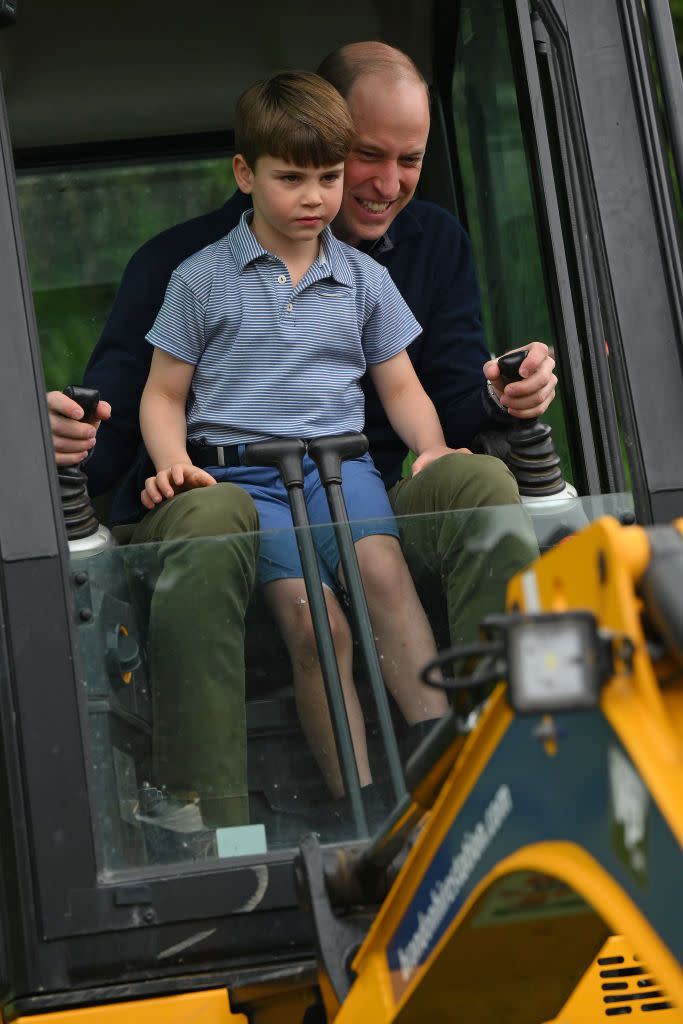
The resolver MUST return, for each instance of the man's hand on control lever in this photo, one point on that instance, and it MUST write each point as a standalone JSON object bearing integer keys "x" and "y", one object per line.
{"x": 72, "y": 438}
{"x": 531, "y": 396}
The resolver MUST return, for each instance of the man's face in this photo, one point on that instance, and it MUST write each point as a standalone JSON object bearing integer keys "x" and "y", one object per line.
{"x": 382, "y": 171}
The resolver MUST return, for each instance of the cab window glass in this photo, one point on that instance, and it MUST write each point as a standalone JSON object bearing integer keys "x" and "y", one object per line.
{"x": 82, "y": 225}
{"x": 498, "y": 195}
{"x": 173, "y": 782}
{"x": 194, "y": 756}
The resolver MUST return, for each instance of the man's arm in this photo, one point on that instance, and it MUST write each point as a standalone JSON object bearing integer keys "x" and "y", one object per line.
{"x": 454, "y": 362}
{"x": 452, "y": 350}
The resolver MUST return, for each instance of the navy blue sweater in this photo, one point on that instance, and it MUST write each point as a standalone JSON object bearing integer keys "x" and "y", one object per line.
{"x": 430, "y": 260}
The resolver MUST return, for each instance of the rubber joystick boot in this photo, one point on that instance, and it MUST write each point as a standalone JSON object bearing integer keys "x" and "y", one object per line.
{"x": 532, "y": 457}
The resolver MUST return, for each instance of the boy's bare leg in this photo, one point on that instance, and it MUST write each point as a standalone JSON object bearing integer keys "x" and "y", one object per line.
{"x": 289, "y": 603}
{"x": 404, "y": 637}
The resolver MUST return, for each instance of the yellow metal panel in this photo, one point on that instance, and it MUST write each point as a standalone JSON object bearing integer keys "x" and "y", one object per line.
{"x": 647, "y": 716}
{"x": 276, "y": 1003}
{"x": 210, "y": 1007}
{"x": 496, "y": 973}
{"x": 474, "y": 756}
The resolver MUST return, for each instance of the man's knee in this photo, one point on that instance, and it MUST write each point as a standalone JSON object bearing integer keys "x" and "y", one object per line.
{"x": 461, "y": 481}
{"x": 210, "y": 512}
{"x": 486, "y": 480}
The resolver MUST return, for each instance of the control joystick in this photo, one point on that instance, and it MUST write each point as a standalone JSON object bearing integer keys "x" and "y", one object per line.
{"x": 532, "y": 456}
{"x": 85, "y": 533}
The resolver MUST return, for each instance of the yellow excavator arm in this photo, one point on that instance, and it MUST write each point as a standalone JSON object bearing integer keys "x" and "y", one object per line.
{"x": 540, "y": 847}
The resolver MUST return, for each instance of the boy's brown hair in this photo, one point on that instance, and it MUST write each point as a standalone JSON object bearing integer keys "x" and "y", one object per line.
{"x": 295, "y": 116}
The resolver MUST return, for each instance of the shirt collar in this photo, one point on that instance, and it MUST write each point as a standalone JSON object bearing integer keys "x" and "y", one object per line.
{"x": 246, "y": 248}
{"x": 332, "y": 253}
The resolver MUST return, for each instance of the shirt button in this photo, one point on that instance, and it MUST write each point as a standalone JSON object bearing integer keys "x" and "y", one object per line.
{"x": 281, "y": 279}
{"x": 290, "y": 307}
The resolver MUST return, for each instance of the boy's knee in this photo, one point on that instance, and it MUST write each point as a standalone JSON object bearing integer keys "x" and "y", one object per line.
{"x": 339, "y": 625}
{"x": 303, "y": 642}
{"x": 382, "y": 568}
{"x": 212, "y": 512}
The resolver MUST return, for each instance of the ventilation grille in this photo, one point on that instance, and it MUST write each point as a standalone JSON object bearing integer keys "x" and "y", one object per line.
{"x": 628, "y": 988}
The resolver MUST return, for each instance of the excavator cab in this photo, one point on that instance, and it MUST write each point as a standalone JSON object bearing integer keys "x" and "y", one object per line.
{"x": 555, "y": 140}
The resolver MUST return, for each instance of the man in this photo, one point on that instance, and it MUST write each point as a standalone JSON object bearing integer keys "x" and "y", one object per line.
{"x": 428, "y": 256}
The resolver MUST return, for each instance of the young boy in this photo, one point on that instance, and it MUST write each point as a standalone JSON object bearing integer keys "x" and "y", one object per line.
{"x": 268, "y": 332}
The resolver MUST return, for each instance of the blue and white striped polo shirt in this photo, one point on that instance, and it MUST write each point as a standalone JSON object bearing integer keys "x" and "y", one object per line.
{"x": 271, "y": 358}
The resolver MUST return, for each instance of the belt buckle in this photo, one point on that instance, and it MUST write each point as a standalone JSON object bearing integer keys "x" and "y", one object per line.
{"x": 220, "y": 452}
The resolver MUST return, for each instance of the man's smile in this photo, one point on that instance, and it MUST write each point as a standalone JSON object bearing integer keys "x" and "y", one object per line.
{"x": 372, "y": 206}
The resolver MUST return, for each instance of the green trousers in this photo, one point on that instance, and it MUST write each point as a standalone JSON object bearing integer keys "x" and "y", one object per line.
{"x": 467, "y": 534}
{"x": 203, "y": 583}
{"x": 460, "y": 560}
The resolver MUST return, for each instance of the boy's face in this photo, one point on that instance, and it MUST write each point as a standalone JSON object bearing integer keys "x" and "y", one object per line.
{"x": 291, "y": 204}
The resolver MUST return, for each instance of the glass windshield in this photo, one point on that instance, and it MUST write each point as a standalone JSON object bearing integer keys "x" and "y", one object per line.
{"x": 199, "y": 735}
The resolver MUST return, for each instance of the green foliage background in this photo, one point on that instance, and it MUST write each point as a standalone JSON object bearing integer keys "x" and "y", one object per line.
{"x": 82, "y": 225}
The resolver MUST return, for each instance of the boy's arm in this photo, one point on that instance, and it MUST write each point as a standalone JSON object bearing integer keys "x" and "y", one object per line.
{"x": 409, "y": 410}
{"x": 164, "y": 429}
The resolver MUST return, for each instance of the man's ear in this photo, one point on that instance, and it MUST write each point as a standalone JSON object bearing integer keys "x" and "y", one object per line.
{"x": 244, "y": 176}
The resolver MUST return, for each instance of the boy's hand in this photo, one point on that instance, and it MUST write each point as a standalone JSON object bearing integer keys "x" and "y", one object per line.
{"x": 432, "y": 454}
{"x": 181, "y": 476}
{"x": 531, "y": 396}
{"x": 72, "y": 438}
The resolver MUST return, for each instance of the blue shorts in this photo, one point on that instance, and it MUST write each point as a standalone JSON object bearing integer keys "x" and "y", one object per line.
{"x": 366, "y": 500}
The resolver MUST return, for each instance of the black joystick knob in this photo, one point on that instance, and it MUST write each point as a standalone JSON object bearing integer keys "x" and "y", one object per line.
{"x": 509, "y": 365}
{"x": 87, "y": 398}
{"x": 79, "y": 514}
{"x": 532, "y": 458}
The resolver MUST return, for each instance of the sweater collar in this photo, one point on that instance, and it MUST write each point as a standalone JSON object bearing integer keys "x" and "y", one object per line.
{"x": 404, "y": 227}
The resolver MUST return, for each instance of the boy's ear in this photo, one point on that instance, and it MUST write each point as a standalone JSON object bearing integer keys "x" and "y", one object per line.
{"x": 244, "y": 176}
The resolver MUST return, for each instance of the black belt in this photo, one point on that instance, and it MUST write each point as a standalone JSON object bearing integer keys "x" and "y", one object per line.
{"x": 204, "y": 455}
